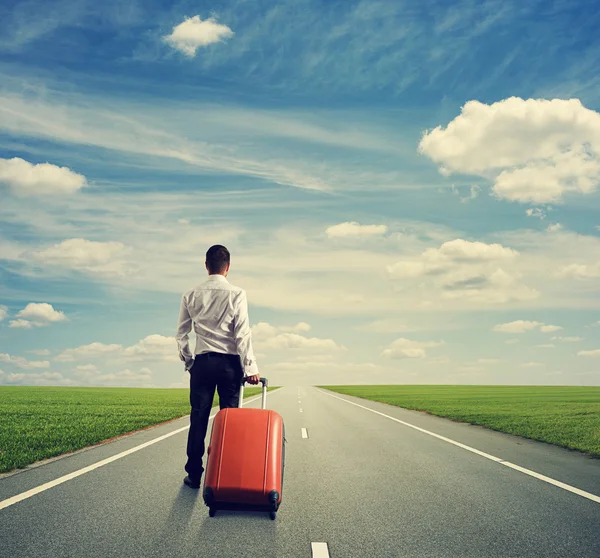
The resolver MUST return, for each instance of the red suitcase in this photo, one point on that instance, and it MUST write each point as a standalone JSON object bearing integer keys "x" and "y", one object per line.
{"x": 245, "y": 458}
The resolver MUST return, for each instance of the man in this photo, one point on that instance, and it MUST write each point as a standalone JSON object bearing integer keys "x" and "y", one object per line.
{"x": 219, "y": 314}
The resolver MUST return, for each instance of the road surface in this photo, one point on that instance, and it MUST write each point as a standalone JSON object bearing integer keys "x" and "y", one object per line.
{"x": 362, "y": 484}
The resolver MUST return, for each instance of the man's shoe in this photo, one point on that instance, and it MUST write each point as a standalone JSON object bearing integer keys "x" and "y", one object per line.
{"x": 192, "y": 482}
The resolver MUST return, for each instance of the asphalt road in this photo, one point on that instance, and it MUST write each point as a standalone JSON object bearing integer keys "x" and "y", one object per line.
{"x": 365, "y": 485}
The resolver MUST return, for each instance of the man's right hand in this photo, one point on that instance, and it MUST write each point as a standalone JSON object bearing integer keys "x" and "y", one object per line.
{"x": 253, "y": 379}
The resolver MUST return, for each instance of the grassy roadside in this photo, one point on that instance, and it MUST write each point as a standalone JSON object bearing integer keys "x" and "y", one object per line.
{"x": 561, "y": 415}
{"x": 41, "y": 422}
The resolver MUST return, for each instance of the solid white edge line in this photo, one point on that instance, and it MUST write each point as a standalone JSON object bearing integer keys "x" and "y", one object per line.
{"x": 42, "y": 487}
{"x": 319, "y": 550}
{"x": 549, "y": 480}
{"x": 304, "y": 433}
{"x": 588, "y": 495}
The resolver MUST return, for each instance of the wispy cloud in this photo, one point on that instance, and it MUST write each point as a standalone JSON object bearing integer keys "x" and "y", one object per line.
{"x": 592, "y": 353}
{"x": 522, "y": 326}
{"x": 202, "y": 138}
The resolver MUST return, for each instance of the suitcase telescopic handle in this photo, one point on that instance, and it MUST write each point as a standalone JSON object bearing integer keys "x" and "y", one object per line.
{"x": 264, "y": 383}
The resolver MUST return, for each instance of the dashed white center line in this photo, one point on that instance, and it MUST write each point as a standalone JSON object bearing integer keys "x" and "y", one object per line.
{"x": 304, "y": 433}
{"x": 300, "y": 410}
{"x": 319, "y": 550}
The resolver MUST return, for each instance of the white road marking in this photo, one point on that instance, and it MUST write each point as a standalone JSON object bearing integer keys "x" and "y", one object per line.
{"x": 32, "y": 492}
{"x": 300, "y": 410}
{"x": 549, "y": 480}
{"x": 553, "y": 481}
{"x": 319, "y": 550}
{"x": 304, "y": 433}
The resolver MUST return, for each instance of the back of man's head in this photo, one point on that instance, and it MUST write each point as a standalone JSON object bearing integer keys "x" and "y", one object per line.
{"x": 217, "y": 259}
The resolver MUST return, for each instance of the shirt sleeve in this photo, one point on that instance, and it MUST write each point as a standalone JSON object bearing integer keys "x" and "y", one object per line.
{"x": 243, "y": 335}
{"x": 183, "y": 329}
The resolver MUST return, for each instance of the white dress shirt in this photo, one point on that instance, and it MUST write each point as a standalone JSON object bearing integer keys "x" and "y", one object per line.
{"x": 219, "y": 314}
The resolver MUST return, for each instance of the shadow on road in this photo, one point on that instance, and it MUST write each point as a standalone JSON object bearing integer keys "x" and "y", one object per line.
{"x": 240, "y": 534}
{"x": 182, "y": 510}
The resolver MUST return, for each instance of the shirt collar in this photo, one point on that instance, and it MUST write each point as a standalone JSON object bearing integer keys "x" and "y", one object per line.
{"x": 217, "y": 277}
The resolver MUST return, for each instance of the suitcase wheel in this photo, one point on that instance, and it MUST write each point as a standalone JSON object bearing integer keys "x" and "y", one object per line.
{"x": 273, "y": 514}
{"x": 212, "y": 512}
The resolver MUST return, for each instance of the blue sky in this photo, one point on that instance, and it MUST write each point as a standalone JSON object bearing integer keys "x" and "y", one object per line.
{"x": 409, "y": 190}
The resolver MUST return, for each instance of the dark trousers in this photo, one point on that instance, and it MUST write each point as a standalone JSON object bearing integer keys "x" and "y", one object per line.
{"x": 210, "y": 371}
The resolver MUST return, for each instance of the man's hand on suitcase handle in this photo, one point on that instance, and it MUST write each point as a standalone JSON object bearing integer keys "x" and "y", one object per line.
{"x": 253, "y": 379}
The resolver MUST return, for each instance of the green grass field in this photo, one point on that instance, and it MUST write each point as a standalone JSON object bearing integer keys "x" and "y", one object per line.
{"x": 564, "y": 416}
{"x": 41, "y": 422}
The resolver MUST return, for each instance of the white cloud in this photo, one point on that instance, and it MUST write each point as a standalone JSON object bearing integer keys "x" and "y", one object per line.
{"x": 152, "y": 347}
{"x": 3, "y": 312}
{"x": 102, "y": 258}
{"x": 194, "y": 33}
{"x": 568, "y": 339}
{"x": 463, "y": 269}
{"x": 535, "y": 150}
{"x": 299, "y": 327}
{"x": 592, "y": 353}
{"x": 518, "y": 326}
{"x": 407, "y": 348}
{"x": 265, "y": 335}
{"x": 488, "y": 361}
{"x": 536, "y": 212}
{"x": 41, "y": 314}
{"x": 409, "y": 269}
{"x": 532, "y": 364}
{"x": 24, "y": 324}
{"x": 545, "y": 346}
{"x": 460, "y": 250}
{"x": 580, "y": 271}
{"x": 550, "y": 328}
{"x": 555, "y": 227}
{"x": 354, "y": 229}
{"x": 26, "y": 179}
{"x": 263, "y": 331}
{"x": 296, "y": 341}
{"x": 93, "y": 350}
{"x": 521, "y": 326}
{"x": 23, "y": 363}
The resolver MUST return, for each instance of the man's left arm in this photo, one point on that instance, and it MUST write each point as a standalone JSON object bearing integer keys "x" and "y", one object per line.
{"x": 183, "y": 329}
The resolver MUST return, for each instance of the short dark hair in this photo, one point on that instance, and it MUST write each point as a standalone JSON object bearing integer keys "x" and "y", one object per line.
{"x": 217, "y": 258}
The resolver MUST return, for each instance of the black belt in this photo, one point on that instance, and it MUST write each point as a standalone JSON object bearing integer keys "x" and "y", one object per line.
{"x": 214, "y": 353}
